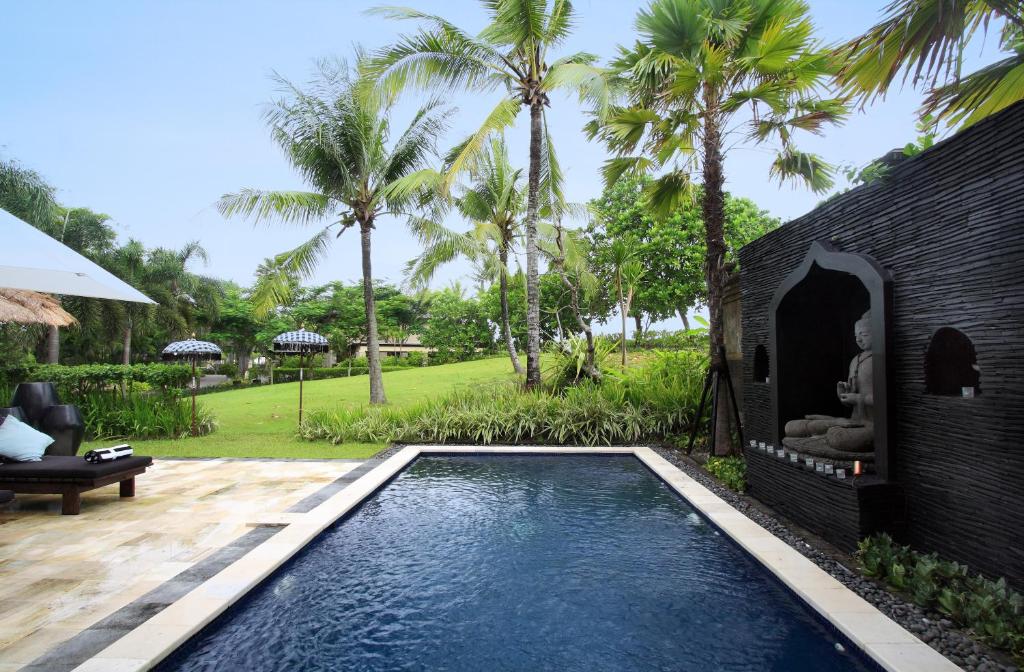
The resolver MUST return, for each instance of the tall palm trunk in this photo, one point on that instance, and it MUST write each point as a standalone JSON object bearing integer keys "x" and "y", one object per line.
{"x": 372, "y": 342}
{"x": 506, "y": 326}
{"x": 622, "y": 313}
{"x": 532, "y": 253}
{"x": 713, "y": 211}
{"x": 126, "y": 345}
{"x": 53, "y": 345}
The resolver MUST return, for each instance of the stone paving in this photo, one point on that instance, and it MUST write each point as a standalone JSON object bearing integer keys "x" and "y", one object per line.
{"x": 62, "y": 575}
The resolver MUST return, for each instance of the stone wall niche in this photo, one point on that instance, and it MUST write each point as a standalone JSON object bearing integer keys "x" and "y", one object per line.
{"x": 811, "y": 340}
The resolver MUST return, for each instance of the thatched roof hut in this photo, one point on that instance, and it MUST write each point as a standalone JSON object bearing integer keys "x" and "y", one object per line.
{"x": 27, "y": 307}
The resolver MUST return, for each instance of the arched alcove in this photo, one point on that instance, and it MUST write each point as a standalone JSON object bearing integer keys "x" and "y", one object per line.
{"x": 761, "y": 367}
{"x": 951, "y": 364}
{"x": 811, "y": 338}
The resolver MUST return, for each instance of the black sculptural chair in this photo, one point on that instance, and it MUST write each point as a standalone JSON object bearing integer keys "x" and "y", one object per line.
{"x": 64, "y": 423}
{"x": 34, "y": 399}
{"x": 39, "y": 405}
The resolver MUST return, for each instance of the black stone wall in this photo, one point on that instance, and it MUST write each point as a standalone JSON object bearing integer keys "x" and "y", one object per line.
{"x": 949, "y": 226}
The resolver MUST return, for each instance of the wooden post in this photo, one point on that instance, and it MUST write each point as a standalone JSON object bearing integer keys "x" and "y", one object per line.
{"x": 195, "y": 384}
{"x": 301, "y": 362}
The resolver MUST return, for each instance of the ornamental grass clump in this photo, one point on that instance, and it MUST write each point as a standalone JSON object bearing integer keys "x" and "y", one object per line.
{"x": 644, "y": 404}
{"x": 109, "y": 415}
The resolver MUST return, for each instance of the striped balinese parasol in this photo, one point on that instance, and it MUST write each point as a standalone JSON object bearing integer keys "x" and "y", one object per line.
{"x": 193, "y": 351}
{"x": 300, "y": 343}
{"x": 27, "y": 307}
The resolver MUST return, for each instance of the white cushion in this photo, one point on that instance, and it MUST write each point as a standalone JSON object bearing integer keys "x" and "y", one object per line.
{"x": 20, "y": 442}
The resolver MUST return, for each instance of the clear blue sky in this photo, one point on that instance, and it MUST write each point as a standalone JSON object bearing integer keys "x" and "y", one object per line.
{"x": 149, "y": 111}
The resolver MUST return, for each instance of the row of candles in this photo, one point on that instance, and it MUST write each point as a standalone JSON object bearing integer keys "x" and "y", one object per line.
{"x": 809, "y": 462}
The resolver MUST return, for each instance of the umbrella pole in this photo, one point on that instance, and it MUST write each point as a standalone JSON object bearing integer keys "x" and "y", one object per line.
{"x": 195, "y": 384}
{"x": 301, "y": 362}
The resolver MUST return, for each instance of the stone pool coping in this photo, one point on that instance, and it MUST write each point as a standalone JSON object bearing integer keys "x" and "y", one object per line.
{"x": 879, "y": 637}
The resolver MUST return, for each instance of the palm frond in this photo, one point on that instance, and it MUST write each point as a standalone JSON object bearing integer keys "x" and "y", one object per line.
{"x": 923, "y": 39}
{"x": 979, "y": 94}
{"x": 274, "y": 287}
{"x": 463, "y": 156}
{"x": 802, "y": 168}
{"x": 23, "y": 192}
{"x": 441, "y": 245}
{"x": 669, "y": 192}
{"x": 590, "y": 83}
{"x": 298, "y": 207}
{"x": 439, "y": 56}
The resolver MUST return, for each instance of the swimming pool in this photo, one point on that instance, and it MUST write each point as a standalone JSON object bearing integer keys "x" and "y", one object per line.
{"x": 520, "y": 562}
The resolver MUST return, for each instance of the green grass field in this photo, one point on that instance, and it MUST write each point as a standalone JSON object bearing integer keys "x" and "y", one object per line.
{"x": 263, "y": 421}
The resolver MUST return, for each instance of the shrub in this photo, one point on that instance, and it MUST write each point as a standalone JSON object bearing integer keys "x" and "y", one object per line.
{"x": 989, "y": 608}
{"x": 415, "y": 359}
{"x": 229, "y": 369}
{"x": 294, "y": 362}
{"x": 75, "y": 381}
{"x": 731, "y": 471}
{"x": 566, "y": 367}
{"x": 642, "y": 404}
{"x": 141, "y": 416}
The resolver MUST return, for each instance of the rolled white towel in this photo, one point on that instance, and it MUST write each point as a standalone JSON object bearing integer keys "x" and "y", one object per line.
{"x": 107, "y": 454}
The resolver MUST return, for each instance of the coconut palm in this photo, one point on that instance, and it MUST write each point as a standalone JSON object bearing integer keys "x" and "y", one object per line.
{"x": 337, "y": 134}
{"x": 925, "y": 40}
{"x": 511, "y": 54}
{"x": 699, "y": 64}
{"x": 494, "y": 203}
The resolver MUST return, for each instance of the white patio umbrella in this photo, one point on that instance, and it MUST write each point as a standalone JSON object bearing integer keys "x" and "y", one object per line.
{"x": 30, "y": 259}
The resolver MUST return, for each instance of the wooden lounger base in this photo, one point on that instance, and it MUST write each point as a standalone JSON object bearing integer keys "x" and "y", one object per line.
{"x": 71, "y": 490}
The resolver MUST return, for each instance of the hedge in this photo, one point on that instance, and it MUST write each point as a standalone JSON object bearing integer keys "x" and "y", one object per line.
{"x": 76, "y": 381}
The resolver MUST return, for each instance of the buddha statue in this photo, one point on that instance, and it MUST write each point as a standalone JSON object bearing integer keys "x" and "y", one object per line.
{"x": 842, "y": 439}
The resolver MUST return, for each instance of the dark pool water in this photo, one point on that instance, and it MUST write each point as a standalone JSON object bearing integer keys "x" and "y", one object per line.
{"x": 532, "y": 562}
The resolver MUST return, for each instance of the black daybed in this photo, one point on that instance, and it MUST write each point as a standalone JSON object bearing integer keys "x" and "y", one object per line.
{"x": 70, "y": 476}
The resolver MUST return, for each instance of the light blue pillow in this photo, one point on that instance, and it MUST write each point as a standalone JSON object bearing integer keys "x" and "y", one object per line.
{"x": 20, "y": 442}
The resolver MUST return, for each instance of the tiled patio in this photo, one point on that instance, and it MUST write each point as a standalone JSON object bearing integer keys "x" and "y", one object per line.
{"x": 59, "y": 575}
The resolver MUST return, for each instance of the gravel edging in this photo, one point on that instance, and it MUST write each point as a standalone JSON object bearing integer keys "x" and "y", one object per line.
{"x": 936, "y": 631}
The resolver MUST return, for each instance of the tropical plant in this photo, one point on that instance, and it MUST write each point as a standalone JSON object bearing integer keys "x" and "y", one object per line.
{"x": 25, "y": 194}
{"x": 512, "y": 54}
{"x": 494, "y": 203}
{"x": 993, "y": 611}
{"x": 731, "y": 471}
{"x": 699, "y": 64}
{"x": 337, "y": 134}
{"x": 574, "y": 357}
{"x": 626, "y": 274}
{"x": 164, "y": 276}
{"x": 925, "y": 41}
{"x": 567, "y": 253}
{"x": 643, "y": 404}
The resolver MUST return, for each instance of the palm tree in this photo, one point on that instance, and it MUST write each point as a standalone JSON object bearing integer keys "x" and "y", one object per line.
{"x": 510, "y": 54}
{"x": 626, "y": 274}
{"x": 925, "y": 40}
{"x": 337, "y": 134}
{"x": 25, "y": 194}
{"x": 494, "y": 203}
{"x": 698, "y": 64}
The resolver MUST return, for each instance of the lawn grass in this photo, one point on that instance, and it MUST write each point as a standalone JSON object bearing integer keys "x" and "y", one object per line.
{"x": 262, "y": 421}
